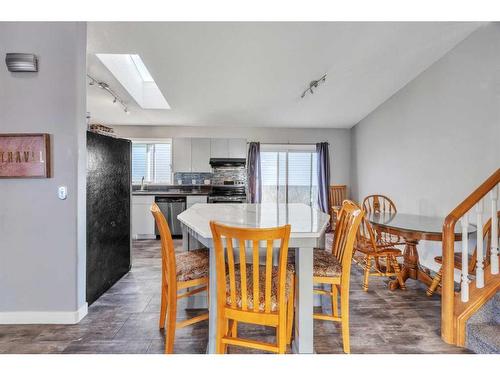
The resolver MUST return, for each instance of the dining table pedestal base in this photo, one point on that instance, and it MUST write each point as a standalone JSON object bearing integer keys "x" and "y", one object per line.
{"x": 411, "y": 268}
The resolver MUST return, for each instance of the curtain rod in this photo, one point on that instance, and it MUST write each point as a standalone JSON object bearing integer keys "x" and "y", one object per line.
{"x": 290, "y": 144}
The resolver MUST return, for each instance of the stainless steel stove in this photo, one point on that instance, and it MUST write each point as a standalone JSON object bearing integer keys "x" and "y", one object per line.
{"x": 229, "y": 194}
{"x": 228, "y": 181}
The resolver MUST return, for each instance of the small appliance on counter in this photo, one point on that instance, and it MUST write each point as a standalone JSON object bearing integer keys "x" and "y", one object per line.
{"x": 229, "y": 180}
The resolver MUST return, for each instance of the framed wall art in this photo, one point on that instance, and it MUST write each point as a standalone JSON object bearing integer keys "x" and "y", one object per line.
{"x": 25, "y": 156}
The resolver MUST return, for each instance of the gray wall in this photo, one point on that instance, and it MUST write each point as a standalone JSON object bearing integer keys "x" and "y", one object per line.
{"x": 438, "y": 138}
{"x": 339, "y": 139}
{"x": 42, "y": 238}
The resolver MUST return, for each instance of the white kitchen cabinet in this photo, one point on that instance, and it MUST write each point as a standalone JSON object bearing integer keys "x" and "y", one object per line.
{"x": 200, "y": 155}
{"x": 143, "y": 224}
{"x": 219, "y": 148}
{"x": 237, "y": 148}
{"x": 193, "y": 199}
{"x": 193, "y": 154}
{"x": 181, "y": 155}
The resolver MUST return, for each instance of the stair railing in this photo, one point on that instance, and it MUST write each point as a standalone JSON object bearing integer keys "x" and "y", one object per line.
{"x": 454, "y": 306}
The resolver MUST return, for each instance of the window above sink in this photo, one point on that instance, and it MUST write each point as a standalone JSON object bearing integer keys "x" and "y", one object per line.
{"x": 152, "y": 159}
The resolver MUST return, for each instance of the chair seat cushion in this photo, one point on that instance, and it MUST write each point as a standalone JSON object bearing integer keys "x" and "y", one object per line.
{"x": 262, "y": 280}
{"x": 192, "y": 264}
{"x": 326, "y": 264}
{"x": 329, "y": 237}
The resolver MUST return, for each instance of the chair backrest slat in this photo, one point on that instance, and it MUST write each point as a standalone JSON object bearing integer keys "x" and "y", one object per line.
{"x": 268, "y": 281}
{"x": 243, "y": 274}
{"x": 255, "y": 270}
{"x": 232, "y": 276}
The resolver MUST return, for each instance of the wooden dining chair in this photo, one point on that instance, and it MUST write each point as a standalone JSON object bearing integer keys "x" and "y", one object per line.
{"x": 180, "y": 271}
{"x": 382, "y": 205}
{"x": 337, "y": 194}
{"x": 376, "y": 257}
{"x": 333, "y": 267}
{"x": 436, "y": 281}
{"x": 251, "y": 292}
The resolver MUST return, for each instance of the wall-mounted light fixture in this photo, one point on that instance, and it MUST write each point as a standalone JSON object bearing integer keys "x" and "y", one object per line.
{"x": 314, "y": 84}
{"x": 21, "y": 62}
{"x": 103, "y": 85}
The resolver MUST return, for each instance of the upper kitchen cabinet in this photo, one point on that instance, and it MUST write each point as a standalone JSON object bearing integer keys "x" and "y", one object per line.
{"x": 228, "y": 148}
{"x": 193, "y": 154}
{"x": 219, "y": 148}
{"x": 181, "y": 154}
{"x": 237, "y": 148}
{"x": 200, "y": 155}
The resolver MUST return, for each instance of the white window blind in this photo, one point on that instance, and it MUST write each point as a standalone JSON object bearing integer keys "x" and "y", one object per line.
{"x": 289, "y": 175}
{"x": 153, "y": 161}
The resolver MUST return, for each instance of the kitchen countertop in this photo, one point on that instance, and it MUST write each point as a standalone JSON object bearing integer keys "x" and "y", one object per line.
{"x": 179, "y": 190}
{"x": 173, "y": 192}
{"x": 306, "y": 221}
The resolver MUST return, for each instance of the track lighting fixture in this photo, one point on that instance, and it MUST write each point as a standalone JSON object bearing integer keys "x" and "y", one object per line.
{"x": 103, "y": 85}
{"x": 314, "y": 84}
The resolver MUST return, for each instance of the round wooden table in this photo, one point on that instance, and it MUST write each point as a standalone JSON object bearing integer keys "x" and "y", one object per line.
{"x": 413, "y": 228}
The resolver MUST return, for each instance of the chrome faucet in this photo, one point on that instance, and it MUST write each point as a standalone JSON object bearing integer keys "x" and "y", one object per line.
{"x": 142, "y": 183}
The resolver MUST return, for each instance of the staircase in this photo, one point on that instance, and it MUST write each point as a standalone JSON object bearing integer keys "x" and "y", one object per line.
{"x": 483, "y": 328}
{"x": 470, "y": 317}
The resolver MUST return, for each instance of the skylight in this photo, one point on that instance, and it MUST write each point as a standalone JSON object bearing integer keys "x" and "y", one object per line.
{"x": 141, "y": 68}
{"x": 132, "y": 73}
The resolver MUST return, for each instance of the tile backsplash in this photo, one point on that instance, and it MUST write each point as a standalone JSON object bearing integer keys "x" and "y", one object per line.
{"x": 191, "y": 178}
{"x": 222, "y": 174}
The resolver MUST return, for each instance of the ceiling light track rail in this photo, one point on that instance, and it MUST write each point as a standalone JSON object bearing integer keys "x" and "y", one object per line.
{"x": 314, "y": 84}
{"x": 103, "y": 85}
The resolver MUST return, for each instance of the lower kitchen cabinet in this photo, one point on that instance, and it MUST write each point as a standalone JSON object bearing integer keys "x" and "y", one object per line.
{"x": 143, "y": 225}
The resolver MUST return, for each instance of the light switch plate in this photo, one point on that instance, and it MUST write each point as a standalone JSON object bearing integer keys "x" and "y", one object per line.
{"x": 62, "y": 192}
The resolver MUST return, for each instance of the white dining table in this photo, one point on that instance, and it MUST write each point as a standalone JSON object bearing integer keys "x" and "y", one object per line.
{"x": 308, "y": 227}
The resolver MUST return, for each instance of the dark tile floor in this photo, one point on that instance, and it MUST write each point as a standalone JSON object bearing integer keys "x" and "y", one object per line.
{"x": 125, "y": 320}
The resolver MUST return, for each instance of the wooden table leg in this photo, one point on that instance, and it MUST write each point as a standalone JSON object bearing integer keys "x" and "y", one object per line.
{"x": 411, "y": 266}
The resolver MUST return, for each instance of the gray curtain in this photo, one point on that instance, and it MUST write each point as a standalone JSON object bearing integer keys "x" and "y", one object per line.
{"x": 323, "y": 175}
{"x": 253, "y": 173}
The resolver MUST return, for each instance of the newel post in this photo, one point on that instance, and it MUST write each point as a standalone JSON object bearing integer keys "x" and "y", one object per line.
{"x": 447, "y": 283}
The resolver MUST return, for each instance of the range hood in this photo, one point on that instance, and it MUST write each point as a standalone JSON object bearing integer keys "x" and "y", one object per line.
{"x": 227, "y": 162}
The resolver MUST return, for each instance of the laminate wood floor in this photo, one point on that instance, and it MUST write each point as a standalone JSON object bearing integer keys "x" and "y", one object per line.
{"x": 125, "y": 320}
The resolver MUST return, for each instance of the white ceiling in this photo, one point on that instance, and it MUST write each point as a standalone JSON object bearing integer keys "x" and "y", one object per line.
{"x": 252, "y": 74}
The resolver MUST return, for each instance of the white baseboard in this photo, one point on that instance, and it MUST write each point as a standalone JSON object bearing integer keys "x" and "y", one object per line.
{"x": 44, "y": 317}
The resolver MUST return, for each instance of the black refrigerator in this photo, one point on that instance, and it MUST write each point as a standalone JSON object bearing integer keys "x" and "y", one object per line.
{"x": 108, "y": 212}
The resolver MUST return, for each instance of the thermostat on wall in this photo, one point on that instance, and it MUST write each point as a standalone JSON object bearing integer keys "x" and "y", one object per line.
{"x": 62, "y": 192}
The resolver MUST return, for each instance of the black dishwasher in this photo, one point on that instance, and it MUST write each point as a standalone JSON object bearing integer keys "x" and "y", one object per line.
{"x": 171, "y": 207}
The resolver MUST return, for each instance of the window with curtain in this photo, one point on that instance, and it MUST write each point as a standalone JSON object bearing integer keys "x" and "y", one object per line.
{"x": 289, "y": 174}
{"x": 153, "y": 160}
